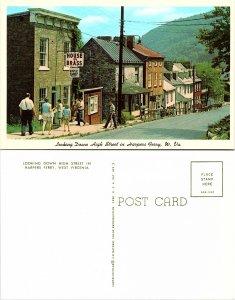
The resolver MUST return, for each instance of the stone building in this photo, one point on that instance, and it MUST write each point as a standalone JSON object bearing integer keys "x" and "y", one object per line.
{"x": 37, "y": 41}
{"x": 101, "y": 68}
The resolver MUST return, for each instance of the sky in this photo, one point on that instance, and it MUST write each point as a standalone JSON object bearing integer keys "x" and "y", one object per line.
{"x": 105, "y": 20}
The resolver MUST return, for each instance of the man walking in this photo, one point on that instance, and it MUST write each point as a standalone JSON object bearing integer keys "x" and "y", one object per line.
{"x": 112, "y": 115}
{"x": 80, "y": 110}
{"x": 27, "y": 111}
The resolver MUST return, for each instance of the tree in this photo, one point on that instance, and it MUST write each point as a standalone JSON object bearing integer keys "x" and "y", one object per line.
{"x": 217, "y": 39}
{"x": 211, "y": 78}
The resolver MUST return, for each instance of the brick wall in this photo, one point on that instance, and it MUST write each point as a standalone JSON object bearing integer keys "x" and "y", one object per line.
{"x": 20, "y": 68}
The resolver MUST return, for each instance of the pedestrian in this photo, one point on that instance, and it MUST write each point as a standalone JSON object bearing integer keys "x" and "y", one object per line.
{"x": 27, "y": 112}
{"x": 59, "y": 109}
{"x": 66, "y": 116}
{"x": 142, "y": 111}
{"x": 80, "y": 110}
{"x": 112, "y": 115}
{"x": 46, "y": 116}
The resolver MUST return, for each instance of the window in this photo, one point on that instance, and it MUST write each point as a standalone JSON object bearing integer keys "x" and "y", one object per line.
{"x": 66, "y": 94}
{"x": 137, "y": 74}
{"x": 155, "y": 78}
{"x": 149, "y": 79}
{"x": 160, "y": 79}
{"x": 43, "y": 53}
{"x": 67, "y": 48}
{"x": 42, "y": 94}
{"x": 149, "y": 63}
{"x": 160, "y": 63}
{"x": 155, "y": 63}
{"x": 123, "y": 75}
{"x": 92, "y": 105}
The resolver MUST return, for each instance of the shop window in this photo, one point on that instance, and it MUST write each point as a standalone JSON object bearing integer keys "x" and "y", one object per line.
{"x": 92, "y": 105}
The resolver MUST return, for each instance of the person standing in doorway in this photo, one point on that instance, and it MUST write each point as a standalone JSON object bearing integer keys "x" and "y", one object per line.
{"x": 112, "y": 115}
{"x": 27, "y": 111}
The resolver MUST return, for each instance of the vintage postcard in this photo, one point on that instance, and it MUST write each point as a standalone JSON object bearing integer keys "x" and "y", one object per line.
{"x": 117, "y": 77}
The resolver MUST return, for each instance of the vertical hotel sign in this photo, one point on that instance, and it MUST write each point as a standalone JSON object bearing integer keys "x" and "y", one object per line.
{"x": 74, "y": 60}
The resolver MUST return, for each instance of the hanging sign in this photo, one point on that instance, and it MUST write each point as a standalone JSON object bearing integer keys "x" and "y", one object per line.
{"x": 74, "y": 72}
{"x": 74, "y": 59}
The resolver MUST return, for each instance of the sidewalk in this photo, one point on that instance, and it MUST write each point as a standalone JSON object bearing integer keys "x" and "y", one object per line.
{"x": 59, "y": 132}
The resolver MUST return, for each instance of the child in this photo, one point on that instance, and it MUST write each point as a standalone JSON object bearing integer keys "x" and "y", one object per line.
{"x": 67, "y": 116}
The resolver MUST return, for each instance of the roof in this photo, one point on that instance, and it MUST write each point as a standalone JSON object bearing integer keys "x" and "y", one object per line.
{"x": 180, "y": 98}
{"x": 48, "y": 13}
{"x": 112, "y": 49}
{"x": 168, "y": 86}
{"x": 178, "y": 67}
{"x": 42, "y": 11}
{"x": 129, "y": 88}
{"x": 146, "y": 51}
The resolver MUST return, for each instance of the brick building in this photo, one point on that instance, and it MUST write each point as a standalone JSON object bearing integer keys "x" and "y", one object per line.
{"x": 153, "y": 72}
{"x": 36, "y": 42}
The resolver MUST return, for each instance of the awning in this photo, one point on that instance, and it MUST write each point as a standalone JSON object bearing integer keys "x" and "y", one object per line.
{"x": 129, "y": 88}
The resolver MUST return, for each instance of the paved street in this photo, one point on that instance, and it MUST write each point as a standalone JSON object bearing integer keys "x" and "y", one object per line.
{"x": 191, "y": 126}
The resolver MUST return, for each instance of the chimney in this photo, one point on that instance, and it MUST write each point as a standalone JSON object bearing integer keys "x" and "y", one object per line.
{"x": 130, "y": 41}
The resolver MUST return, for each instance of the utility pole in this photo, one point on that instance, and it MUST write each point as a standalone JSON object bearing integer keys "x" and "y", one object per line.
{"x": 194, "y": 89}
{"x": 120, "y": 67}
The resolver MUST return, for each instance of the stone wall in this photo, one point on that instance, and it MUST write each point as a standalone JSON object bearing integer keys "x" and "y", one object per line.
{"x": 98, "y": 70}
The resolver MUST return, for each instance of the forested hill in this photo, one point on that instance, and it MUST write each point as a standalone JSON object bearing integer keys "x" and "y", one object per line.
{"x": 176, "y": 40}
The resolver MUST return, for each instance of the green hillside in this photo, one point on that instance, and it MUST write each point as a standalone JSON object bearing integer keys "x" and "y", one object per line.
{"x": 177, "y": 40}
